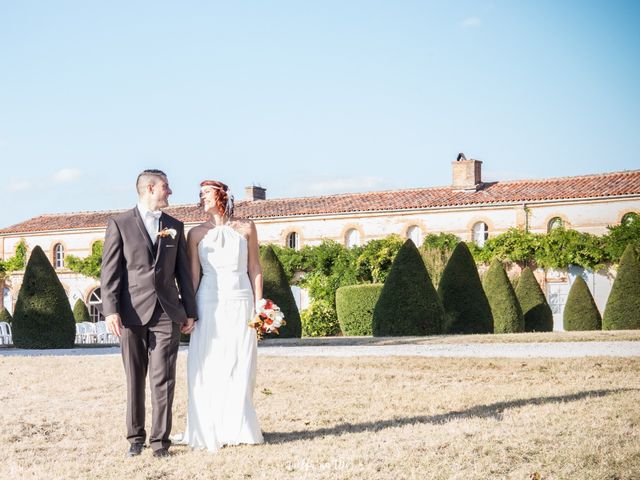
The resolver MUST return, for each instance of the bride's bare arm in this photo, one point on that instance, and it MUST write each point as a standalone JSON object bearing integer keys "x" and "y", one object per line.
{"x": 193, "y": 238}
{"x": 255, "y": 271}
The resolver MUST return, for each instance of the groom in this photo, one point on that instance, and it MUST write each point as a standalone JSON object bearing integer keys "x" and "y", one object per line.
{"x": 144, "y": 256}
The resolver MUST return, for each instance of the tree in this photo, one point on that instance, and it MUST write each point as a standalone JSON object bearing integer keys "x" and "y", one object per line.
{"x": 505, "y": 308}
{"x": 89, "y": 266}
{"x": 277, "y": 289}
{"x": 623, "y": 306}
{"x": 620, "y": 236}
{"x": 5, "y": 316}
{"x": 435, "y": 251}
{"x": 466, "y": 307}
{"x": 537, "y": 313}
{"x": 408, "y": 303}
{"x": 81, "y": 312}
{"x": 581, "y": 311}
{"x": 43, "y": 316}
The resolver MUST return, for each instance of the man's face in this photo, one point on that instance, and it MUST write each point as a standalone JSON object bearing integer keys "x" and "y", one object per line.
{"x": 159, "y": 193}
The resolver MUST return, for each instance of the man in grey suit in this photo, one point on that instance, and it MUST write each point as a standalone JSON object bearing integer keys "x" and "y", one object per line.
{"x": 147, "y": 299}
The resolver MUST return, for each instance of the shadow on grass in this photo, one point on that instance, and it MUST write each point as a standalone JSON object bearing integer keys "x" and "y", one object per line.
{"x": 494, "y": 410}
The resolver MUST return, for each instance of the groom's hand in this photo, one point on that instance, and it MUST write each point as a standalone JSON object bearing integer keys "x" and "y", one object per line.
{"x": 114, "y": 324}
{"x": 188, "y": 327}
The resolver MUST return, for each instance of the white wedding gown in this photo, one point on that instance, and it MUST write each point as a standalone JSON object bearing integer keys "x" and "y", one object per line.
{"x": 221, "y": 365}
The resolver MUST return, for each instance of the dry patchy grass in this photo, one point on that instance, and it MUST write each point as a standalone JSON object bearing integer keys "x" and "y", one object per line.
{"x": 393, "y": 417}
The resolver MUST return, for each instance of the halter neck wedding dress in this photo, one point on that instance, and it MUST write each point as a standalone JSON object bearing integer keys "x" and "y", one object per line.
{"x": 221, "y": 365}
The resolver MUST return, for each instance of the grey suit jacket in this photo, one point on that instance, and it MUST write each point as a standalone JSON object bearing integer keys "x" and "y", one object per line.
{"x": 133, "y": 279}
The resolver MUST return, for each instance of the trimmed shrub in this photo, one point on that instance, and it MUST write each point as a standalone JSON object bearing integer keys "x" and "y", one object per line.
{"x": 580, "y": 311}
{"x": 320, "y": 320}
{"x": 276, "y": 287}
{"x": 506, "y": 311}
{"x": 623, "y": 306}
{"x": 408, "y": 303}
{"x": 43, "y": 316}
{"x": 355, "y": 305}
{"x": 466, "y": 307}
{"x": 81, "y": 312}
{"x": 537, "y": 313}
{"x": 5, "y": 316}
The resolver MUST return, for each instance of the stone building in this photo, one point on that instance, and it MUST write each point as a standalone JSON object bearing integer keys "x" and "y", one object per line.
{"x": 469, "y": 208}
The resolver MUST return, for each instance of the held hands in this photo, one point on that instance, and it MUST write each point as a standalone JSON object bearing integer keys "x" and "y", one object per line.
{"x": 189, "y": 326}
{"x": 114, "y": 324}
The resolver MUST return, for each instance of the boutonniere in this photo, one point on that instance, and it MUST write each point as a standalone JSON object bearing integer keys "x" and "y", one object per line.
{"x": 167, "y": 232}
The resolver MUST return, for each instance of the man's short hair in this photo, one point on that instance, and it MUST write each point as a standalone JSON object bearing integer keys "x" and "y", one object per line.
{"x": 149, "y": 176}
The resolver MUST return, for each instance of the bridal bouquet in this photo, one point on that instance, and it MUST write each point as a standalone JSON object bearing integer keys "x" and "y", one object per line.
{"x": 268, "y": 318}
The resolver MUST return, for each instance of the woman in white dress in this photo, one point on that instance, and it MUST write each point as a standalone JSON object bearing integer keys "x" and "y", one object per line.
{"x": 221, "y": 365}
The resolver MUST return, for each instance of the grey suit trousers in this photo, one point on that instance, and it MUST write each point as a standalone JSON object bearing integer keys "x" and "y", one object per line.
{"x": 154, "y": 348}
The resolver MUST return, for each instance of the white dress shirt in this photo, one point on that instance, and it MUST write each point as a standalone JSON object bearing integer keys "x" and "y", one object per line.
{"x": 151, "y": 221}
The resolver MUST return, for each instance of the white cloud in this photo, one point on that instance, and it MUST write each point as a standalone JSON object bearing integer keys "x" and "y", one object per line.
{"x": 471, "y": 22}
{"x": 67, "y": 175}
{"x": 18, "y": 185}
{"x": 329, "y": 185}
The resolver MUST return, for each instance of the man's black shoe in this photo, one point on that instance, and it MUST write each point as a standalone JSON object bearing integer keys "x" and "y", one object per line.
{"x": 135, "y": 449}
{"x": 161, "y": 452}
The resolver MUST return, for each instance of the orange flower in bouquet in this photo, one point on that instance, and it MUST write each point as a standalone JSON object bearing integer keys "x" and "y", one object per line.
{"x": 268, "y": 318}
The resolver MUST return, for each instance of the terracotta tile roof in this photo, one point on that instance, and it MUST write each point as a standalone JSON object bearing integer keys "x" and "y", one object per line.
{"x": 588, "y": 186}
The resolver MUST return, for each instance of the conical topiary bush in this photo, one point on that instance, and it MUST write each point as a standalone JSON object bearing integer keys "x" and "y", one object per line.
{"x": 5, "y": 316}
{"x": 623, "y": 306}
{"x": 81, "y": 312}
{"x": 276, "y": 287}
{"x": 408, "y": 303}
{"x": 505, "y": 308}
{"x": 466, "y": 307}
{"x": 580, "y": 311}
{"x": 43, "y": 316}
{"x": 537, "y": 313}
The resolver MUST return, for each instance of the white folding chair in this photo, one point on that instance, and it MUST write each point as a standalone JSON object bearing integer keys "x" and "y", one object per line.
{"x": 5, "y": 333}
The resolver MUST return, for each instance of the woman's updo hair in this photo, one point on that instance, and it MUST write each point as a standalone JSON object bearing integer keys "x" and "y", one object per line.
{"x": 222, "y": 196}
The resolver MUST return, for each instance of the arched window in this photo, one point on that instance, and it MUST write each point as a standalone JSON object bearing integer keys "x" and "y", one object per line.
{"x": 480, "y": 233}
{"x": 555, "y": 222}
{"x": 58, "y": 256}
{"x": 95, "y": 306}
{"x": 352, "y": 238}
{"x": 629, "y": 217}
{"x": 415, "y": 234}
{"x": 293, "y": 240}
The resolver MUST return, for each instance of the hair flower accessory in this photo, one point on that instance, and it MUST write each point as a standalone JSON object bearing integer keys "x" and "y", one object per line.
{"x": 167, "y": 232}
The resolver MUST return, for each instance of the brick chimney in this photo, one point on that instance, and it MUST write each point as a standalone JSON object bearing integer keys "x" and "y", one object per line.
{"x": 466, "y": 174}
{"x": 255, "y": 193}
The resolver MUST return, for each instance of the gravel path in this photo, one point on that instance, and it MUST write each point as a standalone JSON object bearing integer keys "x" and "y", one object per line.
{"x": 478, "y": 350}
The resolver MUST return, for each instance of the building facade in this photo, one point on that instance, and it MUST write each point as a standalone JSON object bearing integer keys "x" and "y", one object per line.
{"x": 469, "y": 208}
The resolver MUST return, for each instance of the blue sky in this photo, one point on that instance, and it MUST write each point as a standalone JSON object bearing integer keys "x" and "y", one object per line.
{"x": 307, "y": 98}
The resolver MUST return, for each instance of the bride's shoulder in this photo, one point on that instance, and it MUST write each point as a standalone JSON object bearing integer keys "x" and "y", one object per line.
{"x": 242, "y": 226}
{"x": 196, "y": 233}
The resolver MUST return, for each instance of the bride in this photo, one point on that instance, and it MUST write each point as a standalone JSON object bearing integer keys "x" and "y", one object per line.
{"x": 221, "y": 365}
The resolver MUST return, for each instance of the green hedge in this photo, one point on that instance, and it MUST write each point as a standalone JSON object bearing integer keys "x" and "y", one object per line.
{"x": 276, "y": 288}
{"x": 408, "y": 303}
{"x": 320, "y": 320}
{"x": 537, "y": 313}
{"x": 507, "y": 314}
{"x": 466, "y": 307}
{"x": 623, "y": 306}
{"x": 580, "y": 311}
{"x": 81, "y": 312}
{"x": 355, "y": 305}
{"x": 43, "y": 316}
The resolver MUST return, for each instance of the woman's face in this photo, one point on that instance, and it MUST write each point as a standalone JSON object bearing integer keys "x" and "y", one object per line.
{"x": 208, "y": 198}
